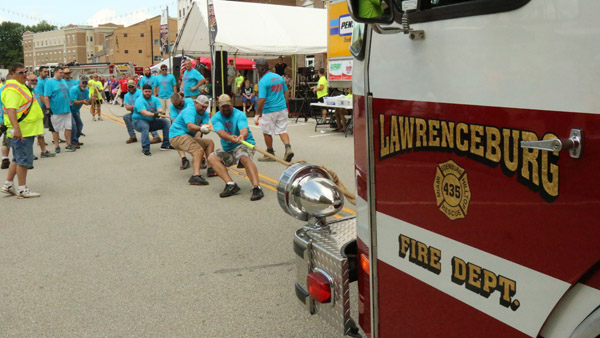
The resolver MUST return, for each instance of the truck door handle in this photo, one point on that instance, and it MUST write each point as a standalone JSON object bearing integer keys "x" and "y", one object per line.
{"x": 574, "y": 144}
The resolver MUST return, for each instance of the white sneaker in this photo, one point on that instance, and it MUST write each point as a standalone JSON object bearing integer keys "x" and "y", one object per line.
{"x": 100, "y": 119}
{"x": 26, "y": 193}
{"x": 95, "y": 118}
{"x": 8, "y": 189}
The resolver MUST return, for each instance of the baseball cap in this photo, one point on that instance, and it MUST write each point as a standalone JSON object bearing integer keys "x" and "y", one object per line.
{"x": 66, "y": 70}
{"x": 131, "y": 83}
{"x": 203, "y": 100}
{"x": 224, "y": 100}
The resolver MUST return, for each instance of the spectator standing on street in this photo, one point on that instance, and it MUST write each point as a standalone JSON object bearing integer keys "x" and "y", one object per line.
{"x": 230, "y": 75}
{"x": 167, "y": 86}
{"x": 123, "y": 83}
{"x": 280, "y": 67}
{"x": 239, "y": 80}
{"x": 183, "y": 137}
{"x": 192, "y": 80}
{"x": 79, "y": 96}
{"x": 146, "y": 117}
{"x": 39, "y": 90}
{"x": 232, "y": 127}
{"x": 248, "y": 96}
{"x": 321, "y": 90}
{"x": 57, "y": 98}
{"x": 24, "y": 121}
{"x": 149, "y": 79}
{"x": 133, "y": 93}
{"x": 96, "y": 88}
{"x": 32, "y": 84}
{"x": 68, "y": 79}
{"x": 272, "y": 112}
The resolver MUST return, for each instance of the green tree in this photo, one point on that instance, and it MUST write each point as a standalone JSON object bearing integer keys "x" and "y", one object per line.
{"x": 42, "y": 26}
{"x": 11, "y": 40}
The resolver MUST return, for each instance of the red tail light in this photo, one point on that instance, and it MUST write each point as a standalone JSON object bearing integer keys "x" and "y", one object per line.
{"x": 319, "y": 287}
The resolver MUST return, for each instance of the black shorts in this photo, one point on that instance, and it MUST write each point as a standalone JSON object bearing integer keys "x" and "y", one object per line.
{"x": 321, "y": 100}
{"x": 122, "y": 95}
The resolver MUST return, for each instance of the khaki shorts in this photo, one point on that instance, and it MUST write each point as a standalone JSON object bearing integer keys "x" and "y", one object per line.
{"x": 165, "y": 103}
{"x": 274, "y": 123}
{"x": 232, "y": 157}
{"x": 186, "y": 143}
{"x": 62, "y": 122}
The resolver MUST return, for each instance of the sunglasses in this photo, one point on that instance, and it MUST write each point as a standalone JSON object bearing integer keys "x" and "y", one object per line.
{"x": 84, "y": 82}
{"x": 32, "y": 80}
{"x": 130, "y": 86}
{"x": 22, "y": 72}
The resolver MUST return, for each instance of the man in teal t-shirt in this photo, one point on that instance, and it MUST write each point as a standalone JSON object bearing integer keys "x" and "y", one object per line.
{"x": 148, "y": 79}
{"x": 167, "y": 86}
{"x": 186, "y": 136}
{"x": 56, "y": 95}
{"x": 129, "y": 101}
{"x": 79, "y": 96}
{"x": 232, "y": 127}
{"x": 272, "y": 112}
{"x": 146, "y": 117}
{"x": 192, "y": 80}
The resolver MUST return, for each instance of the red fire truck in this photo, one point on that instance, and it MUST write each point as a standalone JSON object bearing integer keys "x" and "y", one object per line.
{"x": 476, "y": 128}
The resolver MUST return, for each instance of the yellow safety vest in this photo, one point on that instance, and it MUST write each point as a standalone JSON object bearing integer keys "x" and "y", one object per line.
{"x": 31, "y": 124}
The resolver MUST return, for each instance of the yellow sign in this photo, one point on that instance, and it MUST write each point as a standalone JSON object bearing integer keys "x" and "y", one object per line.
{"x": 339, "y": 29}
{"x": 452, "y": 191}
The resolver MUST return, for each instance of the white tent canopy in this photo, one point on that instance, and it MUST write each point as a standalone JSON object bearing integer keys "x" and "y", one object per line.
{"x": 251, "y": 29}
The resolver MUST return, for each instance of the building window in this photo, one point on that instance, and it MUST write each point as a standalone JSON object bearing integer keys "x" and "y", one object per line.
{"x": 139, "y": 51}
{"x": 184, "y": 12}
{"x": 156, "y": 42}
{"x": 141, "y": 35}
{"x": 124, "y": 35}
{"x": 126, "y": 51}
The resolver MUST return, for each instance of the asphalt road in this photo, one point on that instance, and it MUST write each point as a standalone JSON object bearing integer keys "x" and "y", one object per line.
{"x": 119, "y": 245}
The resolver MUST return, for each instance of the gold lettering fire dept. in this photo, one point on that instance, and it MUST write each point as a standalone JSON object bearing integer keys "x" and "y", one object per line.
{"x": 452, "y": 191}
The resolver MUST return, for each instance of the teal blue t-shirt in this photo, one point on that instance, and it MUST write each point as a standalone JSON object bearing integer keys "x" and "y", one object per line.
{"x": 232, "y": 125}
{"x": 271, "y": 88}
{"x": 173, "y": 111}
{"x": 70, "y": 83}
{"x": 58, "y": 93}
{"x": 145, "y": 80}
{"x": 76, "y": 94}
{"x": 165, "y": 85}
{"x": 130, "y": 98}
{"x": 151, "y": 105}
{"x": 190, "y": 79}
{"x": 188, "y": 115}
{"x": 39, "y": 89}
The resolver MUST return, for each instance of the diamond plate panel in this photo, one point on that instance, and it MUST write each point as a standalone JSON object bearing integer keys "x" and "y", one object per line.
{"x": 326, "y": 254}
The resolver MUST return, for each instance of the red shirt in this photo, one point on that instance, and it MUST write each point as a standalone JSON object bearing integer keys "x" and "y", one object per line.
{"x": 123, "y": 84}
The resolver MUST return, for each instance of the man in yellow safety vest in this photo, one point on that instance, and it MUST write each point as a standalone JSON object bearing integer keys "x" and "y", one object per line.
{"x": 23, "y": 119}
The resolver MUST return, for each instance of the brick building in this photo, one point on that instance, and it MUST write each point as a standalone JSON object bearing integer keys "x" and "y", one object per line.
{"x": 70, "y": 43}
{"x": 138, "y": 43}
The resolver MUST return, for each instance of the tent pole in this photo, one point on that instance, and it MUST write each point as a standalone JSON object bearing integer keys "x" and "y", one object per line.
{"x": 212, "y": 80}
{"x": 222, "y": 82}
{"x": 234, "y": 82}
{"x": 294, "y": 72}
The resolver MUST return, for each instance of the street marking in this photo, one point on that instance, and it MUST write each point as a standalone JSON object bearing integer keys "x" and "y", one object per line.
{"x": 327, "y": 134}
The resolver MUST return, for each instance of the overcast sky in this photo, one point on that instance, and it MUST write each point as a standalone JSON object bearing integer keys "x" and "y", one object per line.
{"x": 64, "y": 12}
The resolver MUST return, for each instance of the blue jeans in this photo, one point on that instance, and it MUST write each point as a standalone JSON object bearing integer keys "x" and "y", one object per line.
{"x": 144, "y": 126}
{"x": 129, "y": 124}
{"x": 76, "y": 128}
{"x": 23, "y": 151}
